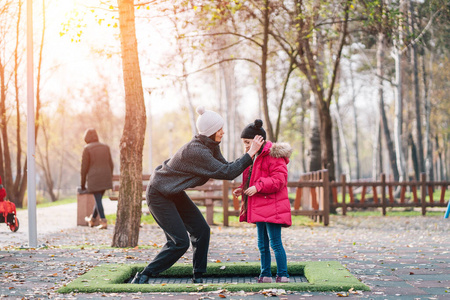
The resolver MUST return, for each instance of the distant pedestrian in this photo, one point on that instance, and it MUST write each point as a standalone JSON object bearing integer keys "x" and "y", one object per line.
{"x": 96, "y": 169}
{"x": 183, "y": 223}
{"x": 265, "y": 199}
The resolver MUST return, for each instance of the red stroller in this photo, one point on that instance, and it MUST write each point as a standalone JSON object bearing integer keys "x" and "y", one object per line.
{"x": 7, "y": 211}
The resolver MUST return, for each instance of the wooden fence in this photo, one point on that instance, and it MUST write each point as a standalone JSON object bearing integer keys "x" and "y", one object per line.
{"x": 311, "y": 199}
{"x": 383, "y": 194}
{"x": 315, "y": 195}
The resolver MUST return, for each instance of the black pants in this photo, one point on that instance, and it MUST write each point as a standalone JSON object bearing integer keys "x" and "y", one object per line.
{"x": 177, "y": 215}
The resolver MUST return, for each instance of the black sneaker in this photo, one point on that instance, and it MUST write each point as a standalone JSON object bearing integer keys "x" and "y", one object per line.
{"x": 140, "y": 278}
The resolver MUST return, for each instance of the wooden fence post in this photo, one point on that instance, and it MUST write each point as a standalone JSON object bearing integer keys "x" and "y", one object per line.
{"x": 209, "y": 203}
{"x": 225, "y": 188}
{"x": 423, "y": 192}
{"x": 344, "y": 204}
{"x": 383, "y": 193}
{"x": 326, "y": 198}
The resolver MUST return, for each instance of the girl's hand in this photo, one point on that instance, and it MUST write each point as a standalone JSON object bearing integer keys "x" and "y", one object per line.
{"x": 237, "y": 192}
{"x": 256, "y": 144}
{"x": 251, "y": 191}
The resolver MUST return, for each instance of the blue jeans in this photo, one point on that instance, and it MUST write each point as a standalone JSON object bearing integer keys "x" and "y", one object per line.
{"x": 270, "y": 233}
{"x": 98, "y": 208}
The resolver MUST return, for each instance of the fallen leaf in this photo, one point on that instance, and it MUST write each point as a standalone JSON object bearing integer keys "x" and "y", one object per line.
{"x": 222, "y": 296}
{"x": 342, "y": 294}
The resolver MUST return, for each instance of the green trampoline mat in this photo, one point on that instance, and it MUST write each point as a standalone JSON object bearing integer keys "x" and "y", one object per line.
{"x": 323, "y": 276}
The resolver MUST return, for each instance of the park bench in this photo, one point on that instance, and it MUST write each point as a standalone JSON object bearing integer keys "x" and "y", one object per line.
{"x": 201, "y": 195}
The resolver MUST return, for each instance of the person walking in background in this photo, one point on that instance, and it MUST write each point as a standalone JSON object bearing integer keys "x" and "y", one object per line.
{"x": 183, "y": 223}
{"x": 96, "y": 169}
{"x": 265, "y": 199}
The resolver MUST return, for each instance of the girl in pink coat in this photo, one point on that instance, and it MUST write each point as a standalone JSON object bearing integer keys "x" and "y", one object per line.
{"x": 265, "y": 199}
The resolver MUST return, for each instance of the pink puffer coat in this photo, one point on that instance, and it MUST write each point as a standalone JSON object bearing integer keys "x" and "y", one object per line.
{"x": 269, "y": 176}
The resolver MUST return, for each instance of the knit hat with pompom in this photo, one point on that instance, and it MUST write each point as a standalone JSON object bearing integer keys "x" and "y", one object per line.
{"x": 208, "y": 122}
{"x": 253, "y": 129}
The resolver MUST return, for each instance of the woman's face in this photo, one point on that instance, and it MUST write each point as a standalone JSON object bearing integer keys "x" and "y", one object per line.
{"x": 219, "y": 135}
{"x": 247, "y": 144}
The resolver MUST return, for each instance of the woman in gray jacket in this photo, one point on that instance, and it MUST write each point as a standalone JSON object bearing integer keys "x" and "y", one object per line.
{"x": 192, "y": 165}
{"x": 96, "y": 169}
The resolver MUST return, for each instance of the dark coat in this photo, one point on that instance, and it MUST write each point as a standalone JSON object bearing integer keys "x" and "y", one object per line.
{"x": 194, "y": 164}
{"x": 96, "y": 164}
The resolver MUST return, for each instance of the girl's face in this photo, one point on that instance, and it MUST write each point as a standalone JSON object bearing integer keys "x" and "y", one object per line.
{"x": 219, "y": 135}
{"x": 247, "y": 143}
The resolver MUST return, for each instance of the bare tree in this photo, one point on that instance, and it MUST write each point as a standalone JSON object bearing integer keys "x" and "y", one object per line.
{"x": 129, "y": 210}
{"x": 17, "y": 186}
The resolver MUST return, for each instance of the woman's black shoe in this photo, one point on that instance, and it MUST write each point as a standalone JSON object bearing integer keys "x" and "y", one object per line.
{"x": 197, "y": 278}
{"x": 140, "y": 278}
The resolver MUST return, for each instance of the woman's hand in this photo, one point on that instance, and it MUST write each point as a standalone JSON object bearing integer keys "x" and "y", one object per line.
{"x": 237, "y": 192}
{"x": 256, "y": 144}
{"x": 251, "y": 191}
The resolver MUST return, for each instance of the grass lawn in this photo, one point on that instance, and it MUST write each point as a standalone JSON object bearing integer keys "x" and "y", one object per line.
{"x": 218, "y": 218}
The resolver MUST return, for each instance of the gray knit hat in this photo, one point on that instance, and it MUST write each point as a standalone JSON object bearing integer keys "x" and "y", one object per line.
{"x": 208, "y": 122}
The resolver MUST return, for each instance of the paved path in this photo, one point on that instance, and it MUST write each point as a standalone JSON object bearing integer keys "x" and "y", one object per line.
{"x": 398, "y": 257}
{"x": 48, "y": 220}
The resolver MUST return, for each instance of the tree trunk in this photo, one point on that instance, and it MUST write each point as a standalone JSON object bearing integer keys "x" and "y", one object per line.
{"x": 302, "y": 129}
{"x": 283, "y": 95}
{"x": 264, "y": 58}
{"x": 129, "y": 210}
{"x": 337, "y": 151}
{"x": 398, "y": 121}
{"x": 380, "y": 75}
{"x": 355, "y": 126}
{"x": 326, "y": 138}
{"x": 314, "y": 138}
{"x": 226, "y": 80}
{"x": 376, "y": 157}
{"x": 190, "y": 106}
{"x": 45, "y": 165}
{"x": 428, "y": 143}
{"x": 340, "y": 132}
{"x": 414, "y": 157}
{"x": 416, "y": 93}
{"x": 16, "y": 88}
{"x": 440, "y": 164}
{"x": 7, "y": 177}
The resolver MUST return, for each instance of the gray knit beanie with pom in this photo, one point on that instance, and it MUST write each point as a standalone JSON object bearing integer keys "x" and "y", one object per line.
{"x": 209, "y": 122}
